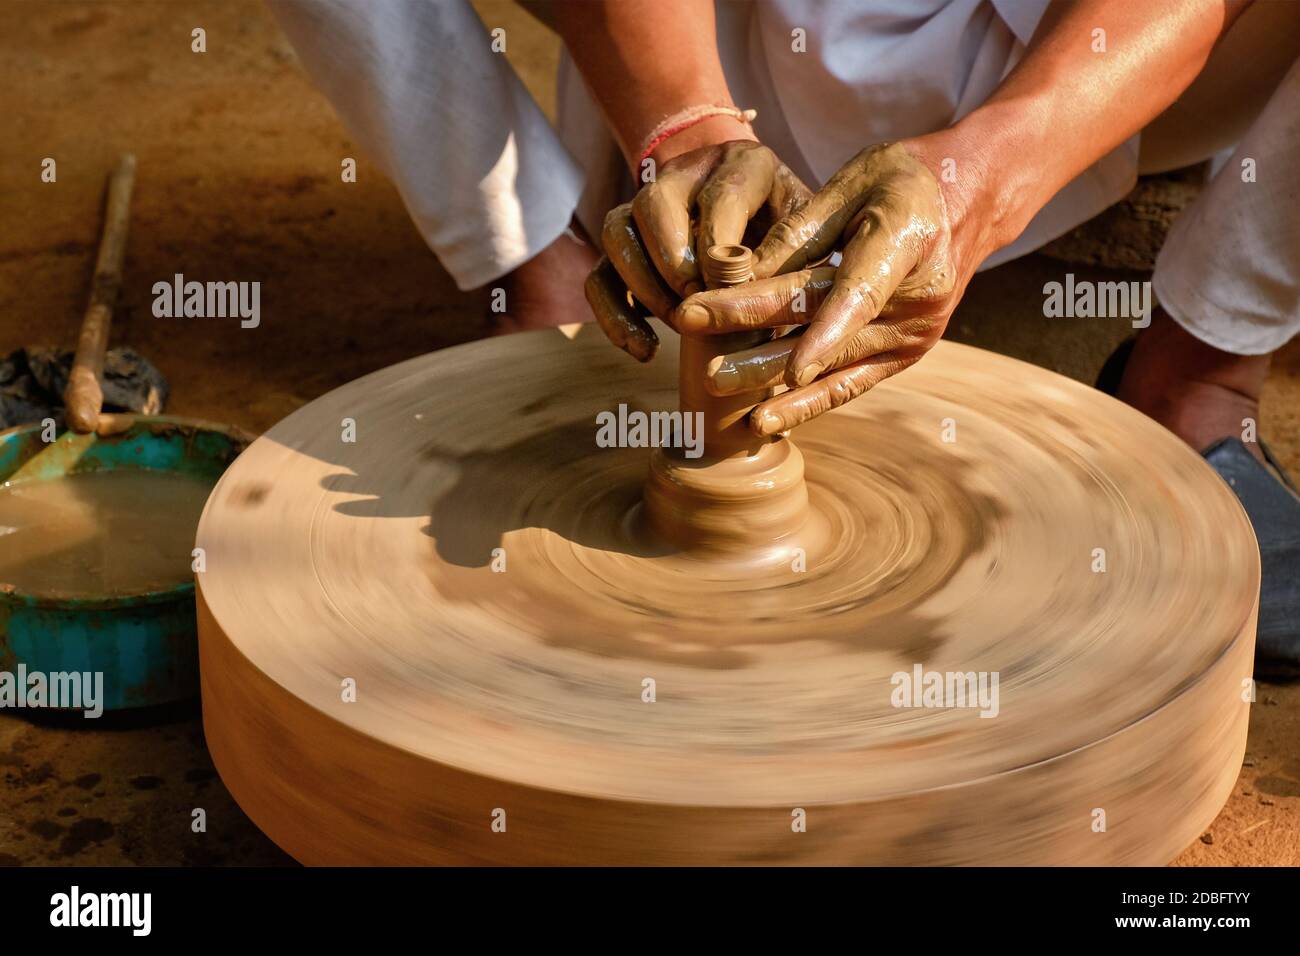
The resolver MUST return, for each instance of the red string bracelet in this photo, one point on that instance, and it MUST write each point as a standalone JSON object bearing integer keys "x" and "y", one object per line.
{"x": 685, "y": 119}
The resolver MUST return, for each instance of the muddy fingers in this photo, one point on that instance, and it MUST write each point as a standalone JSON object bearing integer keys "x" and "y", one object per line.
{"x": 615, "y": 315}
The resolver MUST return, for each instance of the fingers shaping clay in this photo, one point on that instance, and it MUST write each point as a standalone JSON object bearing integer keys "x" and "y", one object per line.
{"x": 458, "y": 640}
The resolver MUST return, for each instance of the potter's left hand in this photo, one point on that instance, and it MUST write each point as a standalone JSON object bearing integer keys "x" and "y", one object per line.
{"x": 884, "y": 307}
{"x": 709, "y": 196}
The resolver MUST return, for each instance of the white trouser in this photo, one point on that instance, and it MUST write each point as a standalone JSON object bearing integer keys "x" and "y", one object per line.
{"x": 1229, "y": 272}
{"x": 420, "y": 90}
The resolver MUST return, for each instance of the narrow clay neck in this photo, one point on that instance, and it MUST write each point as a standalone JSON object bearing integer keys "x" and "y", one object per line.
{"x": 725, "y": 418}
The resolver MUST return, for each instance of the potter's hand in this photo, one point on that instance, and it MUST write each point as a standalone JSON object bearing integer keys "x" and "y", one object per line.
{"x": 710, "y": 196}
{"x": 883, "y": 308}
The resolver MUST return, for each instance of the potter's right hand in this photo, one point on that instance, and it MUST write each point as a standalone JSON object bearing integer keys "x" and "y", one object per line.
{"x": 717, "y": 195}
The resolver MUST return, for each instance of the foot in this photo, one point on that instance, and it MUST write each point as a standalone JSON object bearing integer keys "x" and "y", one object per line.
{"x": 1274, "y": 512}
{"x": 1198, "y": 392}
{"x": 1204, "y": 396}
{"x": 546, "y": 291}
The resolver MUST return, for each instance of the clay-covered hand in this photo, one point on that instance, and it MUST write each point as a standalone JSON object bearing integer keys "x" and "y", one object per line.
{"x": 722, "y": 194}
{"x": 884, "y": 307}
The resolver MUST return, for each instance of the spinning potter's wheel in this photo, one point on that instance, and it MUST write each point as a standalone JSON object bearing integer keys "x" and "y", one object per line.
{"x": 957, "y": 521}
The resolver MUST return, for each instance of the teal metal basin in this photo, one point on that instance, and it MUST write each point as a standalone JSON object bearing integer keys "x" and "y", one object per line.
{"x": 144, "y": 644}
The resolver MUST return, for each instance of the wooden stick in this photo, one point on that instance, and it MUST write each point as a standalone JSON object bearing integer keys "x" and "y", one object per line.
{"x": 84, "y": 396}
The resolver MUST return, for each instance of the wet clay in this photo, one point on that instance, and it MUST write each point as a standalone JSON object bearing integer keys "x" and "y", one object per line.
{"x": 726, "y": 417}
{"x": 520, "y": 643}
{"x": 746, "y": 494}
{"x": 98, "y": 534}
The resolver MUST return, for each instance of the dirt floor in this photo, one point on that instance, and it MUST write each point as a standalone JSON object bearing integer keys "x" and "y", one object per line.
{"x": 239, "y": 180}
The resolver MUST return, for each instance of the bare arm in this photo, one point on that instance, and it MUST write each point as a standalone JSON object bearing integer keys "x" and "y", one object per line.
{"x": 645, "y": 60}
{"x": 1068, "y": 104}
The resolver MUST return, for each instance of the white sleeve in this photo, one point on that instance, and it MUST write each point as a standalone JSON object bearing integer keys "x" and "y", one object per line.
{"x": 483, "y": 175}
